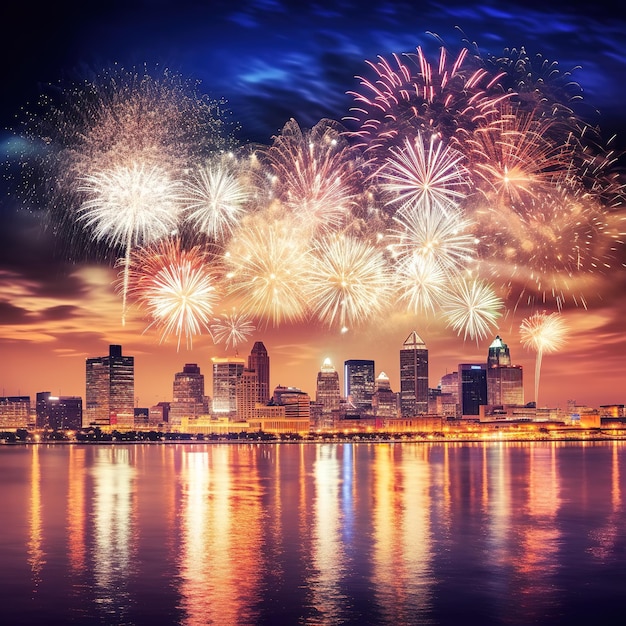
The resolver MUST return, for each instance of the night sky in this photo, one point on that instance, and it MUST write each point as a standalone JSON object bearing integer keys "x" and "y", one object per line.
{"x": 271, "y": 61}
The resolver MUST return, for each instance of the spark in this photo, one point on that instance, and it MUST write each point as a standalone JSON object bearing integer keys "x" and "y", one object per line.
{"x": 543, "y": 333}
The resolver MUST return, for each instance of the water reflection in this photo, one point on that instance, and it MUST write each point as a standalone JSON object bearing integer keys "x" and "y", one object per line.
{"x": 113, "y": 478}
{"x": 501, "y": 533}
{"x": 36, "y": 554}
{"x": 220, "y": 525}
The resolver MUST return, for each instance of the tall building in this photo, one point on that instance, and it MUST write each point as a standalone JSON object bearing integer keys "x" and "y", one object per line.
{"x": 297, "y": 403}
{"x": 384, "y": 400}
{"x": 413, "y": 376}
{"x": 59, "y": 412}
{"x": 247, "y": 394}
{"x": 359, "y": 383}
{"x": 472, "y": 388}
{"x": 259, "y": 361}
{"x": 505, "y": 382}
{"x": 499, "y": 353}
{"x": 328, "y": 393}
{"x": 188, "y": 399}
{"x": 226, "y": 373}
{"x": 110, "y": 389}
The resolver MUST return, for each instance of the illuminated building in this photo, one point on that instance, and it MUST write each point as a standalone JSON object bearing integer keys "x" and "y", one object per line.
{"x": 159, "y": 414}
{"x": 297, "y": 403}
{"x": 359, "y": 383}
{"x": 110, "y": 389}
{"x": 472, "y": 388}
{"x": 59, "y": 412}
{"x": 505, "y": 382}
{"x": 328, "y": 393}
{"x": 413, "y": 376}
{"x": 259, "y": 361}
{"x": 247, "y": 393}
{"x": 226, "y": 372}
{"x": 14, "y": 411}
{"x": 384, "y": 400}
{"x": 188, "y": 395}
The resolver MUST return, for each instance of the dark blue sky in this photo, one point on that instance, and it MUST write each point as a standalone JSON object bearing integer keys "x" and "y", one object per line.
{"x": 274, "y": 60}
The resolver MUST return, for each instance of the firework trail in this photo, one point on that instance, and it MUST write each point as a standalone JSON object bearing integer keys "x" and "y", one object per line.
{"x": 177, "y": 288}
{"x": 542, "y": 333}
{"x": 421, "y": 283}
{"x": 472, "y": 307}
{"x": 347, "y": 281}
{"x": 232, "y": 328}
{"x": 129, "y": 206}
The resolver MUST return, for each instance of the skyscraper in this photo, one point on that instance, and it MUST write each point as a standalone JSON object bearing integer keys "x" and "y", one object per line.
{"x": 226, "y": 373}
{"x": 384, "y": 400}
{"x": 259, "y": 361}
{"x": 328, "y": 394}
{"x": 359, "y": 383}
{"x": 110, "y": 389}
{"x": 505, "y": 382}
{"x": 413, "y": 376}
{"x": 247, "y": 394}
{"x": 472, "y": 388}
{"x": 188, "y": 399}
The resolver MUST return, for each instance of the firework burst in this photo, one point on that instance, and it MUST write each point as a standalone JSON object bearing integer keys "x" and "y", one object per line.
{"x": 420, "y": 174}
{"x": 543, "y": 333}
{"x": 128, "y": 206}
{"x": 176, "y": 287}
{"x": 472, "y": 307}
{"x": 265, "y": 269}
{"x": 232, "y": 328}
{"x": 421, "y": 283}
{"x": 347, "y": 281}
{"x": 438, "y": 232}
{"x": 213, "y": 201}
{"x": 315, "y": 174}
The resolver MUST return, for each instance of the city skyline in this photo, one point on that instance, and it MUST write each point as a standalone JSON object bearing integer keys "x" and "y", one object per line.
{"x": 57, "y": 310}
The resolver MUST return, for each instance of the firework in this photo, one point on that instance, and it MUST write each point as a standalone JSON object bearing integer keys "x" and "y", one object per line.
{"x": 176, "y": 287}
{"x": 315, "y": 174}
{"x": 438, "y": 232}
{"x": 543, "y": 333}
{"x": 119, "y": 118}
{"x": 420, "y": 174}
{"x": 347, "y": 281}
{"x": 553, "y": 245}
{"x": 472, "y": 307}
{"x": 421, "y": 283}
{"x": 232, "y": 328}
{"x": 410, "y": 94}
{"x": 213, "y": 201}
{"x": 128, "y": 206}
{"x": 265, "y": 269}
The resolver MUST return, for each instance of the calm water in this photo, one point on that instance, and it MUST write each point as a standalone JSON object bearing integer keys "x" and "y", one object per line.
{"x": 313, "y": 534}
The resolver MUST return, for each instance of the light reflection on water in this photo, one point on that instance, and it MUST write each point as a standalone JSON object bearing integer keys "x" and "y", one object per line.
{"x": 329, "y": 533}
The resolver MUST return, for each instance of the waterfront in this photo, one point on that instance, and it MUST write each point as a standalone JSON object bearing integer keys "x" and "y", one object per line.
{"x": 316, "y": 533}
